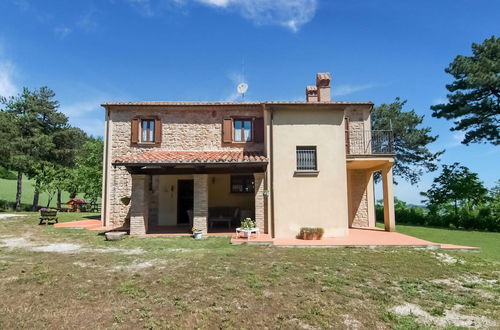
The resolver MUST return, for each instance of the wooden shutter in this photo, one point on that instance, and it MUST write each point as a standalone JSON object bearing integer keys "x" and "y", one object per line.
{"x": 158, "y": 131}
{"x": 134, "y": 136}
{"x": 258, "y": 130}
{"x": 227, "y": 130}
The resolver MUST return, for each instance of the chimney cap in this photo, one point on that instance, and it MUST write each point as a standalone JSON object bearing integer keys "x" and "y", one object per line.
{"x": 312, "y": 90}
{"x": 323, "y": 79}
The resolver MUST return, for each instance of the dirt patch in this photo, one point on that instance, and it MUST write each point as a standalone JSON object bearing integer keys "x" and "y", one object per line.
{"x": 450, "y": 317}
{"x": 23, "y": 243}
{"x": 447, "y": 259}
{"x": 57, "y": 247}
{"x": 5, "y": 216}
{"x": 15, "y": 243}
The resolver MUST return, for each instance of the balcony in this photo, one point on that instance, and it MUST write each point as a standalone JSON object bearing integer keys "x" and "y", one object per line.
{"x": 367, "y": 143}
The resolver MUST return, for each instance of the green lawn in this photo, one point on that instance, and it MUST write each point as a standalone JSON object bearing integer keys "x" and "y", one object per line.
{"x": 488, "y": 242}
{"x": 70, "y": 278}
{"x": 8, "y": 193}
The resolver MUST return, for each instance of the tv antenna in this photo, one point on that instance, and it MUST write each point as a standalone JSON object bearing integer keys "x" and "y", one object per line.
{"x": 243, "y": 86}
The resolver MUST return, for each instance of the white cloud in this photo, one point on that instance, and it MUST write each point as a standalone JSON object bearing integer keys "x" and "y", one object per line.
{"x": 291, "y": 14}
{"x": 91, "y": 126}
{"x": 88, "y": 21}
{"x": 7, "y": 85}
{"x": 342, "y": 90}
{"x": 80, "y": 108}
{"x": 62, "y": 31}
{"x": 456, "y": 139}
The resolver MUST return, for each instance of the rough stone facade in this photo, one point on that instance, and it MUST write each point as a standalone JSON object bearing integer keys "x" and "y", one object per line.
{"x": 259, "y": 200}
{"x": 138, "y": 205}
{"x": 200, "y": 205}
{"x": 358, "y": 198}
{"x": 359, "y": 131}
{"x": 183, "y": 128}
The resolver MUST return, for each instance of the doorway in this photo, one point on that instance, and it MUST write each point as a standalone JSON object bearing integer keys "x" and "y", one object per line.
{"x": 185, "y": 197}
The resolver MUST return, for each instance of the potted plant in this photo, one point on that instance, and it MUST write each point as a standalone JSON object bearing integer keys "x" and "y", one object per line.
{"x": 197, "y": 233}
{"x": 311, "y": 233}
{"x": 247, "y": 225}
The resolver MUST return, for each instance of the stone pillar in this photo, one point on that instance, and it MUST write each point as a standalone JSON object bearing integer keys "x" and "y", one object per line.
{"x": 200, "y": 203}
{"x": 139, "y": 205}
{"x": 389, "y": 217}
{"x": 259, "y": 201}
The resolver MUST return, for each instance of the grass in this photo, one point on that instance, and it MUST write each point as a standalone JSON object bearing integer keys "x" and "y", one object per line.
{"x": 8, "y": 190}
{"x": 488, "y": 242}
{"x": 162, "y": 282}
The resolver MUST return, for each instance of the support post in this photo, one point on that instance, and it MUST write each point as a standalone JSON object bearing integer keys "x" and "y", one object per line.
{"x": 259, "y": 200}
{"x": 200, "y": 202}
{"x": 139, "y": 205}
{"x": 387, "y": 183}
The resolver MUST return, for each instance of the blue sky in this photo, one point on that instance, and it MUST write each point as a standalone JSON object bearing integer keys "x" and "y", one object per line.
{"x": 94, "y": 51}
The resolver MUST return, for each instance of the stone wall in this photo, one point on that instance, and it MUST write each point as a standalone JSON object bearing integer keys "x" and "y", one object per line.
{"x": 183, "y": 128}
{"x": 359, "y": 130}
{"x": 358, "y": 199}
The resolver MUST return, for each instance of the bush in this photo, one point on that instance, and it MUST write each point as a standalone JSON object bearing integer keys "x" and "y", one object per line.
{"x": 485, "y": 218}
{"x": 6, "y": 174}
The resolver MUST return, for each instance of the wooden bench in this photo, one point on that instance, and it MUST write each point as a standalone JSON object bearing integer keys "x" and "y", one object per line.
{"x": 48, "y": 216}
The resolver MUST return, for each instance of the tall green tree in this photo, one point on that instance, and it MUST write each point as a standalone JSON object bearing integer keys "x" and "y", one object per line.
{"x": 411, "y": 140}
{"x": 88, "y": 169}
{"x": 42, "y": 134}
{"x": 455, "y": 188}
{"x": 474, "y": 99}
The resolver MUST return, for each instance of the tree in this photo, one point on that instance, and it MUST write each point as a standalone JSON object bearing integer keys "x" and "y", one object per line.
{"x": 88, "y": 169}
{"x": 412, "y": 156}
{"x": 42, "y": 135}
{"x": 46, "y": 177}
{"x": 474, "y": 99}
{"x": 456, "y": 188}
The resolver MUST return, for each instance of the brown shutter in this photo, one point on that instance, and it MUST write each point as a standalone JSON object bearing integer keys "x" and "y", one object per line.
{"x": 227, "y": 130}
{"x": 258, "y": 130}
{"x": 158, "y": 131}
{"x": 135, "y": 131}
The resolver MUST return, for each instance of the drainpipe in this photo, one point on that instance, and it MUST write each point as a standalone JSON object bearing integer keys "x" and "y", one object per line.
{"x": 271, "y": 158}
{"x": 104, "y": 196}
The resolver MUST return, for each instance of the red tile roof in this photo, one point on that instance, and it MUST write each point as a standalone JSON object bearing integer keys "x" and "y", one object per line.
{"x": 230, "y": 104}
{"x": 193, "y": 157}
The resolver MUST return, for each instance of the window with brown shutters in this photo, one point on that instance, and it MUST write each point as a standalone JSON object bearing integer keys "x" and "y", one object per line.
{"x": 227, "y": 130}
{"x": 135, "y": 131}
{"x": 147, "y": 131}
{"x": 258, "y": 130}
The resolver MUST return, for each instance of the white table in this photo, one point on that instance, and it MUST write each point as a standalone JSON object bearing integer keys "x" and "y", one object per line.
{"x": 249, "y": 232}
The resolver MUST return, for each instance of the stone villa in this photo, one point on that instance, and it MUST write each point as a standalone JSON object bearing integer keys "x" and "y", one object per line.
{"x": 210, "y": 164}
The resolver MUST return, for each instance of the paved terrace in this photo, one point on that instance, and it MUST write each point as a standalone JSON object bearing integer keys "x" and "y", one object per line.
{"x": 357, "y": 237}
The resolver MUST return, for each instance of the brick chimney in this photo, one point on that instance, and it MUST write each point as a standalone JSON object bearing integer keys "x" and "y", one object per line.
{"x": 323, "y": 86}
{"x": 311, "y": 94}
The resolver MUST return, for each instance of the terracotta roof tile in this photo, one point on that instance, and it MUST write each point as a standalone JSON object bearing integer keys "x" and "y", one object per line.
{"x": 193, "y": 157}
{"x": 191, "y": 104}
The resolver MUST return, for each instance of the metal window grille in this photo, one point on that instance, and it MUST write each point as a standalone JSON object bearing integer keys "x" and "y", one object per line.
{"x": 306, "y": 159}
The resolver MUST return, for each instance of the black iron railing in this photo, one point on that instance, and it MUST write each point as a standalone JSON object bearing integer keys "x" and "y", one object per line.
{"x": 362, "y": 142}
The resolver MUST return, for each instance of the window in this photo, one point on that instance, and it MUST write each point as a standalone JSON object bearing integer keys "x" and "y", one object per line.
{"x": 306, "y": 159}
{"x": 147, "y": 130}
{"x": 242, "y": 184}
{"x": 242, "y": 129}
